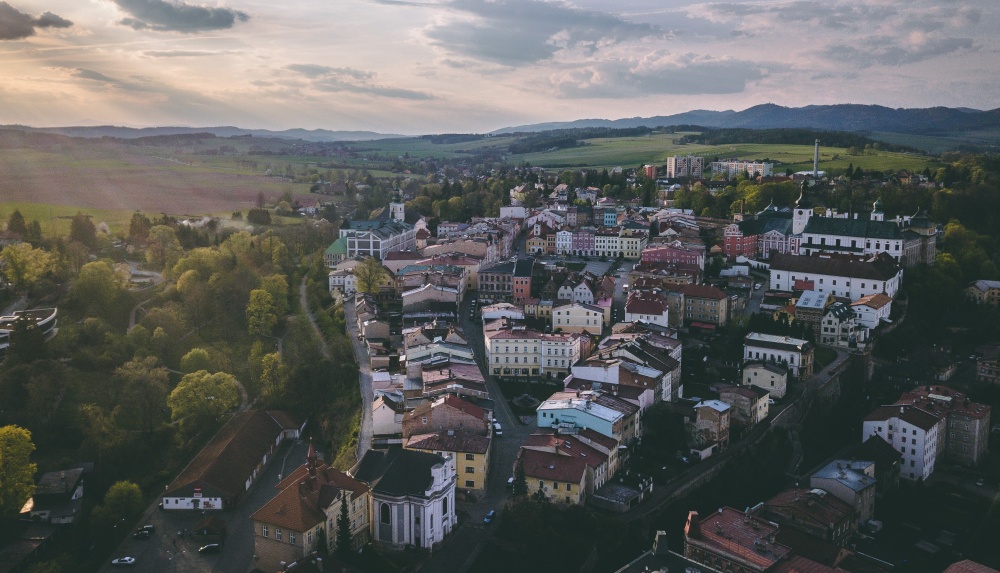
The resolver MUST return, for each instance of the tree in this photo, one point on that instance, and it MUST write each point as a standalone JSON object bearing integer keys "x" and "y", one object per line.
{"x": 197, "y": 359}
{"x": 273, "y": 378}
{"x": 138, "y": 228}
{"x": 27, "y": 343}
{"x": 200, "y": 398}
{"x": 122, "y": 504}
{"x": 17, "y": 473}
{"x": 261, "y": 315}
{"x": 163, "y": 248}
{"x": 520, "y": 481}
{"x": 144, "y": 386}
{"x": 24, "y": 265}
{"x": 343, "y": 528}
{"x": 16, "y": 224}
{"x": 99, "y": 286}
{"x": 82, "y": 230}
{"x": 370, "y": 275}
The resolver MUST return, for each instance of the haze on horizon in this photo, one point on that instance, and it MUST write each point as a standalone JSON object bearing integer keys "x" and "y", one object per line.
{"x": 433, "y": 66}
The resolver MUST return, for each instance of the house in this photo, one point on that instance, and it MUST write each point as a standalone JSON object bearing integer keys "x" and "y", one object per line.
{"x": 304, "y": 512}
{"x": 841, "y": 327}
{"x": 471, "y": 453}
{"x": 578, "y": 317}
{"x": 814, "y": 512}
{"x": 675, "y": 252}
{"x": 429, "y": 296}
{"x": 448, "y": 412}
{"x": 918, "y": 435}
{"x": 418, "y": 275}
{"x": 887, "y": 461}
{"x": 616, "y": 373}
{"x": 397, "y": 260}
{"x": 749, "y": 404}
{"x": 988, "y": 363}
{"x": 647, "y": 307}
{"x": 343, "y": 281}
{"x": 851, "y": 481}
{"x": 761, "y": 235}
{"x": 712, "y": 420}
{"x": 513, "y": 350}
{"x": 872, "y": 310}
{"x": 561, "y": 411}
{"x": 566, "y": 444}
{"x": 58, "y": 497}
{"x": 968, "y": 423}
{"x": 703, "y": 305}
{"x": 413, "y": 496}
{"x": 732, "y": 540}
{"x": 452, "y": 376}
{"x": 844, "y": 276}
{"x": 387, "y": 419}
{"x": 810, "y": 308}
{"x": 984, "y": 292}
{"x": 767, "y": 376}
{"x": 795, "y": 353}
{"x": 222, "y": 472}
{"x": 562, "y": 479}
{"x": 497, "y": 282}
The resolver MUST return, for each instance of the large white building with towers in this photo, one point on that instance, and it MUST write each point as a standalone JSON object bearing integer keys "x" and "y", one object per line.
{"x": 385, "y": 233}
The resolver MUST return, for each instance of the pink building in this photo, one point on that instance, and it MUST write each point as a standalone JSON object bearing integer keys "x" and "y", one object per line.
{"x": 674, "y": 253}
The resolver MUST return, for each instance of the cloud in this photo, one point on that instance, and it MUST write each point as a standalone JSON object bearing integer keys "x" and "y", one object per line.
{"x": 350, "y": 80}
{"x": 185, "y": 53}
{"x": 916, "y": 47}
{"x": 16, "y": 25}
{"x": 164, "y": 16}
{"x": 836, "y": 15}
{"x": 659, "y": 72}
{"x": 519, "y": 32}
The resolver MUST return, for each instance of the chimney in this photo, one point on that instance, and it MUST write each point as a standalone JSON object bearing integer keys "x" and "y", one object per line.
{"x": 660, "y": 544}
{"x": 816, "y": 161}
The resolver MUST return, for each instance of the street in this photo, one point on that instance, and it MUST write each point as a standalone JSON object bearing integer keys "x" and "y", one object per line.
{"x": 364, "y": 378}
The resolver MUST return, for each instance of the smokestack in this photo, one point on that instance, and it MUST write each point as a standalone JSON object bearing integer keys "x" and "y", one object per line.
{"x": 816, "y": 161}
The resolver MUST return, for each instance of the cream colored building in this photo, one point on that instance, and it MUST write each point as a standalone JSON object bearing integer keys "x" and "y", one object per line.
{"x": 471, "y": 453}
{"x": 576, "y": 317}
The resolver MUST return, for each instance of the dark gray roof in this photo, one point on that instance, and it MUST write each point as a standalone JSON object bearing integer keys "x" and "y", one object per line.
{"x": 882, "y": 267}
{"x": 840, "y": 311}
{"x": 396, "y": 471}
{"x": 523, "y": 267}
{"x": 505, "y": 268}
{"x": 853, "y": 228}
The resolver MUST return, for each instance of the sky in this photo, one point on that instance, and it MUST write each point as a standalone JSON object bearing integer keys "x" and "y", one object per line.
{"x": 442, "y": 66}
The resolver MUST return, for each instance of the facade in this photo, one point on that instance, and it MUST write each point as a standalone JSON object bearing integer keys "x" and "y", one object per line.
{"x": 571, "y": 445}
{"x": 732, "y": 540}
{"x": 471, "y": 453}
{"x": 413, "y": 496}
{"x": 733, "y": 168}
{"x": 521, "y": 284}
{"x": 766, "y": 376}
{"x": 814, "y": 512}
{"x": 685, "y": 166}
{"x": 872, "y": 310}
{"x": 562, "y": 479}
{"x": 446, "y": 413}
{"x": 647, "y": 307}
{"x": 582, "y": 413}
{"x": 850, "y": 481}
{"x": 795, "y": 353}
{"x": 988, "y": 364}
{"x": 579, "y": 318}
{"x": 304, "y": 513}
{"x": 344, "y": 282}
{"x": 673, "y": 253}
{"x": 984, "y": 292}
{"x": 853, "y": 236}
{"x": 841, "y": 327}
{"x": 918, "y": 435}
{"x": 749, "y": 404}
{"x": 842, "y": 276}
{"x": 514, "y": 351}
{"x": 968, "y": 423}
{"x": 704, "y": 304}
{"x": 712, "y": 421}
{"x": 382, "y": 235}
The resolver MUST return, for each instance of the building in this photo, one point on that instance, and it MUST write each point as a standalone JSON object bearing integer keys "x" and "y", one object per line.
{"x": 814, "y": 512}
{"x": 968, "y": 423}
{"x": 58, "y": 497}
{"x": 448, "y": 412}
{"x": 761, "y": 235}
{"x": 712, "y": 421}
{"x": 674, "y": 253}
{"x": 733, "y": 168}
{"x": 387, "y": 420}
{"x": 843, "y": 276}
{"x": 795, "y": 353}
{"x": 344, "y": 282}
{"x": 647, "y": 307}
{"x": 853, "y": 236}
{"x": 918, "y": 435}
{"x": 872, "y": 310}
{"x": 413, "y": 496}
{"x": 685, "y": 166}
{"x": 988, "y": 363}
{"x": 704, "y": 305}
{"x": 887, "y": 461}
{"x": 222, "y": 472}
{"x": 570, "y": 445}
{"x": 749, "y": 404}
{"x": 984, "y": 292}
{"x": 562, "y": 479}
{"x": 43, "y": 318}
{"x": 851, "y": 481}
{"x": 582, "y": 412}
{"x": 304, "y": 513}
{"x": 385, "y": 233}
{"x": 471, "y": 453}
{"x": 767, "y": 376}
{"x": 732, "y": 540}
{"x": 577, "y": 317}
{"x": 841, "y": 327}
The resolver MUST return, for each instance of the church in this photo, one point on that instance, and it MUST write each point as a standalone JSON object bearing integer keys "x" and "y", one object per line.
{"x": 385, "y": 233}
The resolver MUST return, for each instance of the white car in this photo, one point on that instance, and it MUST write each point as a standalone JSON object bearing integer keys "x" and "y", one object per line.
{"x": 497, "y": 429}
{"x": 123, "y": 561}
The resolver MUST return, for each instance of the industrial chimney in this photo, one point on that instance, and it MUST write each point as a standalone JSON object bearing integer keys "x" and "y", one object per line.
{"x": 816, "y": 161}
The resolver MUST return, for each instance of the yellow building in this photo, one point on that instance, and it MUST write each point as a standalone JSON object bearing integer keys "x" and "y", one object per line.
{"x": 578, "y": 317}
{"x": 471, "y": 453}
{"x": 563, "y": 479}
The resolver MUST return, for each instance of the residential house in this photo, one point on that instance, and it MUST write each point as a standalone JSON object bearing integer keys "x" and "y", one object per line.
{"x": 651, "y": 307}
{"x": 887, "y": 460}
{"x": 470, "y": 451}
{"x": 704, "y": 305}
{"x": 344, "y": 282}
{"x": 58, "y": 497}
{"x": 984, "y": 292}
{"x": 872, "y": 310}
{"x": 674, "y": 253}
{"x": 814, "y": 512}
{"x": 453, "y": 376}
{"x": 810, "y": 308}
{"x": 918, "y": 435}
{"x": 304, "y": 512}
{"x": 223, "y": 471}
{"x": 841, "y": 327}
{"x": 448, "y": 412}
{"x": 431, "y": 297}
{"x": 733, "y": 540}
{"x": 794, "y": 353}
{"x": 767, "y": 376}
{"x": 749, "y": 404}
{"x": 562, "y": 479}
{"x": 387, "y": 419}
{"x": 398, "y": 260}
{"x": 967, "y": 422}
{"x": 712, "y": 421}
{"x": 851, "y": 481}
{"x": 577, "y": 317}
{"x": 413, "y": 496}
{"x": 988, "y": 363}
{"x": 583, "y": 412}
{"x": 569, "y": 445}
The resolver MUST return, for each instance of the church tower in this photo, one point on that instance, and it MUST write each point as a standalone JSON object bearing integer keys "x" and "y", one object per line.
{"x": 397, "y": 209}
{"x": 877, "y": 214}
{"x": 803, "y": 210}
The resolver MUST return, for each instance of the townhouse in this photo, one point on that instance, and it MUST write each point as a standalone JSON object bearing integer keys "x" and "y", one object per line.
{"x": 794, "y": 353}
{"x": 918, "y": 435}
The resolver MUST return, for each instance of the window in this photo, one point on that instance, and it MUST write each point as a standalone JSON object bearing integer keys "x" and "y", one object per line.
{"x": 470, "y": 470}
{"x": 470, "y": 457}
{"x": 555, "y": 485}
{"x": 569, "y": 487}
{"x": 291, "y": 537}
{"x": 277, "y": 534}
{"x": 309, "y": 537}
{"x": 470, "y": 483}
{"x": 263, "y": 531}
{"x": 385, "y": 513}
{"x": 444, "y": 506}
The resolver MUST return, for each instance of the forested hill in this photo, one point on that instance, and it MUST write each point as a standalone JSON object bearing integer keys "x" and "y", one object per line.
{"x": 786, "y": 136}
{"x": 840, "y": 117}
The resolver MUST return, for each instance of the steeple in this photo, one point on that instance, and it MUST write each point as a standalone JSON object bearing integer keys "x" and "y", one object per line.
{"x": 803, "y": 210}
{"x": 877, "y": 214}
{"x": 396, "y": 207}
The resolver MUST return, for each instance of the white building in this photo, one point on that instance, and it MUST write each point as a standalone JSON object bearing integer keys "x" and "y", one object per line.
{"x": 564, "y": 242}
{"x": 733, "y": 168}
{"x": 520, "y": 351}
{"x": 577, "y": 317}
{"x": 872, "y": 309}
{"x": 685, "y": 166}
{"x": 386, "y": 233}
{"x": 344, "y": 282}
{"x": 642, "y": 307}
{"x": 796, "y": 353}
{"x": 413, "y": 496}
{"x": 766, "y": 376}
{"x": 847, "y": 277}
{"x": 914, "y": 433}
{"x": 853, "y": 235}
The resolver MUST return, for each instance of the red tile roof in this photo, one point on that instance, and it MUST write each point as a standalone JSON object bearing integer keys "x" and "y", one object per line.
{"x": 700, "y": 291}
{"x": 566, "y": 445}
{"x": 732, "y": 532}
{"x": 548, "y": 466}
{"x": 305, "y": 494}
{"x": 449, "y": 442}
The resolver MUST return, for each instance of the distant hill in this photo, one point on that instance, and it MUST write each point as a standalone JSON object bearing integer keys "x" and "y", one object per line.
{"x": 223, "y": 131}
{"x": 841, "y": 117}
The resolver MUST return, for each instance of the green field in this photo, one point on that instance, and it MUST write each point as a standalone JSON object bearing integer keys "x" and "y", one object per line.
{"x": 55, "y": 219}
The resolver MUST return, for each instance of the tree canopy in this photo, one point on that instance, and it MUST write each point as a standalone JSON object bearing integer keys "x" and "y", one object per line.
{"x": 200, "y": 398}
{"x": 17, "y": 473}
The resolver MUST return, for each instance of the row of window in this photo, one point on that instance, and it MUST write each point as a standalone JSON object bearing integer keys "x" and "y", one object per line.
{"x": 277, "y": 534}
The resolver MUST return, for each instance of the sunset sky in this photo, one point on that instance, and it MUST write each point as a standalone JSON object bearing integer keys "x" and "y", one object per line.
{"x": 432, "y": 66}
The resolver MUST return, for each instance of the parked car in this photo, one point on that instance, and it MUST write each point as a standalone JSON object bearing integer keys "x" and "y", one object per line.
{"x": 497, "y": 429}
{"x": 123, "y": 561}
{"x": 756, "y": 286}
{"x": 510, "y": 482}
{"x": 210, "y": 548}
{"x": 141, "y": 534}
{"x": 148, "y": 527}
{"x": 489, "y": 516}
{"x": 980, "y": 482}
